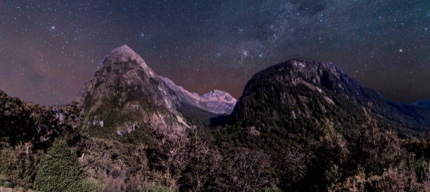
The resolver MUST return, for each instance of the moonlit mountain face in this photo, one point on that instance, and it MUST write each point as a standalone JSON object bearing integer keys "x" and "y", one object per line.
{"x": 216, "y": 101}
{"x": 49, "y": 49}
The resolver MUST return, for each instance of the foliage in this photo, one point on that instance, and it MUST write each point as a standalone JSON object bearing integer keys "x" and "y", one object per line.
{"x": 272, "y": 189}
{"x": 91, "y": 185}
{"x": 4, "y": 182}
{"x": 59, "y": 170}
{"x": 18, "y": 166}
{"x": 157, "y": 188}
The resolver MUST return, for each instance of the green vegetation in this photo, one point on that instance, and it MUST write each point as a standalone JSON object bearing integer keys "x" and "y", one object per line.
{"x": 59, "y": 170}
{"x": 17, "y": 167}
{"x": 4, "y": 182}
{"x": 92, "y": 185}
{"x": 272, "y": 189}
{"x": 157, "y": 188}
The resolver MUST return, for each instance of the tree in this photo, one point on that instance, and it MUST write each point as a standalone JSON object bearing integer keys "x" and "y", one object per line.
{"x": 59, "y": 170}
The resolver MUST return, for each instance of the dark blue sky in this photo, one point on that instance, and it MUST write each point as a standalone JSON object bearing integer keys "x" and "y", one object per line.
{"x": 49, "y": 49}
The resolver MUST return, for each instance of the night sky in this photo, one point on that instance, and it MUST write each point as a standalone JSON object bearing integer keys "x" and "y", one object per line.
{"x": 49, "y": 49}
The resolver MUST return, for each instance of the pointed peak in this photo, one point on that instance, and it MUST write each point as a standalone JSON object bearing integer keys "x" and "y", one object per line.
{"x": 124, "y": 54}
{"x": 219, "y": 95}
{"x": 216, "y": 92}
{"x": 123, "y": 49}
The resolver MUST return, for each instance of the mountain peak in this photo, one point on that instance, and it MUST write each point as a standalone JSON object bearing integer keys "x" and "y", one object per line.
{"x": 125, "y": 52}
{"x": 123, "y": 48}
{"x": 123, "y": 55}
{"x": 216, "y": 92}
{"x": 219, "y": 95}
{"x": 310, "y": 68}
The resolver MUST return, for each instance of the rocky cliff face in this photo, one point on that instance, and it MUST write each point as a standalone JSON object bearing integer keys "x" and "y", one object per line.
{"x": 314, "y": 90}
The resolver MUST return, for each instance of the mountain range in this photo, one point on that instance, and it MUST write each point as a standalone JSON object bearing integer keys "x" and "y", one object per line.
{"x": 298, "y": 126}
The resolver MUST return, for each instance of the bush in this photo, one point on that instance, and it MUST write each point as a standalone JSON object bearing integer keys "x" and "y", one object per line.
{"x": 92, "y": 185}
{"x": 59, "y": 170}
{"x": 4, "y": 182}
{"x": 18, "y": 167}
{"x": 272, "y": 189}
{"x": 158, "y": 188}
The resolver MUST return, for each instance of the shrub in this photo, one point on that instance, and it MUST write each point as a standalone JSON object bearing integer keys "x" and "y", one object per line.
{"x": 17, "y": 166}
{"x": 4, "y": 182}
{"x": 92, "y": 185}
{"x": 272, "y": 189}
{"x": 59, "y": 170}
{"x": 158, "y": 188}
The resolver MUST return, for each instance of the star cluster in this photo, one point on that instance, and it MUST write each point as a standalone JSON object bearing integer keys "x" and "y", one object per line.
{"x": 49, "y": 49}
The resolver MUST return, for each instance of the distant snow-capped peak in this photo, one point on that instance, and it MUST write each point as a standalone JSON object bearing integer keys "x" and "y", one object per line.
{"x": 216, "y": 101}
{"x": 218, "y": 95}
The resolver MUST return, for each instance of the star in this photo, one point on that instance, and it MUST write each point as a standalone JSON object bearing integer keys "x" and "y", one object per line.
{"x": 244, "y": 54}
{"x": 240, "y": 30}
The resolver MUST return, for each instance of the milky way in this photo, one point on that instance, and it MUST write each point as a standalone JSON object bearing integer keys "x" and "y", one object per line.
{"x": 49, "y": 49}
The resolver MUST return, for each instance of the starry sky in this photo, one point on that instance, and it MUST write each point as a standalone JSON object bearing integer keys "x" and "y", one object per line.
{"x": 49, "y": 49}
